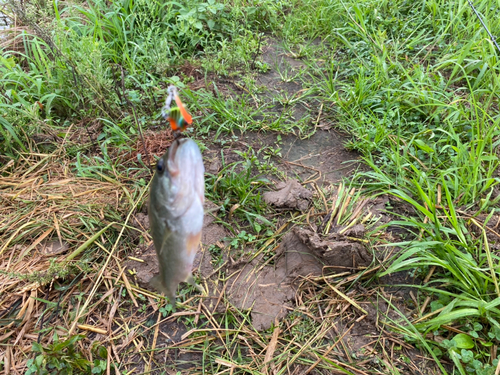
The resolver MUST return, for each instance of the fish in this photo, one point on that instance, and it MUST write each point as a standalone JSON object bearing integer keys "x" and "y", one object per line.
{"x": 179, "y": 117}
{"x": 176, "y": 198}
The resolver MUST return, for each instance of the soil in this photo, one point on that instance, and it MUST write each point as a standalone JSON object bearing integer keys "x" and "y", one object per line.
{"x": 321, "y": 157}
{"x": 336, "y": 251}
{"x": 290, "y": 194}
{"x": 269, "y": 291}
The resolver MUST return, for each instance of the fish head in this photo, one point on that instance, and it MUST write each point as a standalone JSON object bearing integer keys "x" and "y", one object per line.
{"x": 180, "y": 177}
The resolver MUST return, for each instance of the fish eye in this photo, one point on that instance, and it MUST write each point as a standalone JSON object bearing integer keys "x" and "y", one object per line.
{"x": 160, "y": 167}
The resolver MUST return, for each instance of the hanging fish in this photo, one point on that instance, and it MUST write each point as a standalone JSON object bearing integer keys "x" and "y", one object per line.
{"x": 176, "y": 214}
{"x": 176, "y": 198}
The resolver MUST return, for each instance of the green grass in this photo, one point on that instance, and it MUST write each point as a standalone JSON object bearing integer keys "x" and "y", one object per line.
{"x": 415, "y": 84}
{"x": 237, "y": 189}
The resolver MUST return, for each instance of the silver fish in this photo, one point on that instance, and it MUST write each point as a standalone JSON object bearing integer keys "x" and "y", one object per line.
{"x": 177, "y": 194}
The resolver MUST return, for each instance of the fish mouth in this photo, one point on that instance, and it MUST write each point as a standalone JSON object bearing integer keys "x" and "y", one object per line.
{"x": 172, "y": 151}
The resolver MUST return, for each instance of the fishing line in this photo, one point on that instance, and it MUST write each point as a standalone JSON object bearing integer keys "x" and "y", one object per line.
{"x": 493, "y": 39}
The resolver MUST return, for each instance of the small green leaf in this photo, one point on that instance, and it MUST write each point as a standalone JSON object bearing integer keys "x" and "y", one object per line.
{"x": 103, "y": 352}
{"x": 448, "y": 344}
{"x": 463, "y": 341}
{"x": 39, "y": 360}
{"x": 37, "y": 348}
{"x": 495, "y": 333}
{"x": 421, "y": 144}
{"x": 438, "y": 352}
{"x": 467, "y": 355}
{"x": 436, "y": 305}
{"x": 487, "y": 344}
{"x": 477, "y": 364}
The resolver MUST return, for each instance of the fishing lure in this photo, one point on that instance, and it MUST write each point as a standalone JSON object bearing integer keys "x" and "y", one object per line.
{"x": 178, "y": 117}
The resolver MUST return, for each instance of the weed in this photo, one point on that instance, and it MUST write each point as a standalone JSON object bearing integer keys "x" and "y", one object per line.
{"x": 62, "y": 357}
{"x": 236, "y": 189}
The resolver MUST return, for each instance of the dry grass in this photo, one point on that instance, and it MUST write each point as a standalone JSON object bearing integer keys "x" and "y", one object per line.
{"x": 50, "y": 218}
{"x": 156, "y": 144}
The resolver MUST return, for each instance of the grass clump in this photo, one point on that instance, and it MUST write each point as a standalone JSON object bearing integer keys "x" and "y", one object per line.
{"x": 237, "y": 189}
{"x": 110, "y": 59}
{"x": 62, "y": 357}
{"x": 421, "y": 104}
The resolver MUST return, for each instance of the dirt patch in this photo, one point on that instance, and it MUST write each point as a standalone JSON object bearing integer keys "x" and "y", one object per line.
{"x": 269, "y": 290}
{"x": 264, "y": 291}
{"x": 289, "y": 194}
{"x": 323, "y": 153}
{"x": 336, "y": 251}
{"x": 321, "y": 157}
{"x": 144, "y": 268}
{"x": 283, "y": 77}
{"x": 212, "y": 232}
{"x": 87, "y": 130}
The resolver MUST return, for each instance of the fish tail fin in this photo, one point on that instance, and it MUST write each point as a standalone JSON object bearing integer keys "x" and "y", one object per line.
{"x": 157, "y": 283}
{"x": 190, "y": 281}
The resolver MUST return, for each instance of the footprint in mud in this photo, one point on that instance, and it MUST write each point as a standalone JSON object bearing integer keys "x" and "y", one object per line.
{"x": 269, "y": 291}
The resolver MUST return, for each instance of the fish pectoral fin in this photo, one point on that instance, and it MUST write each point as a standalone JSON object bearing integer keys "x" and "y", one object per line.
{"x": 190, "y": 281}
